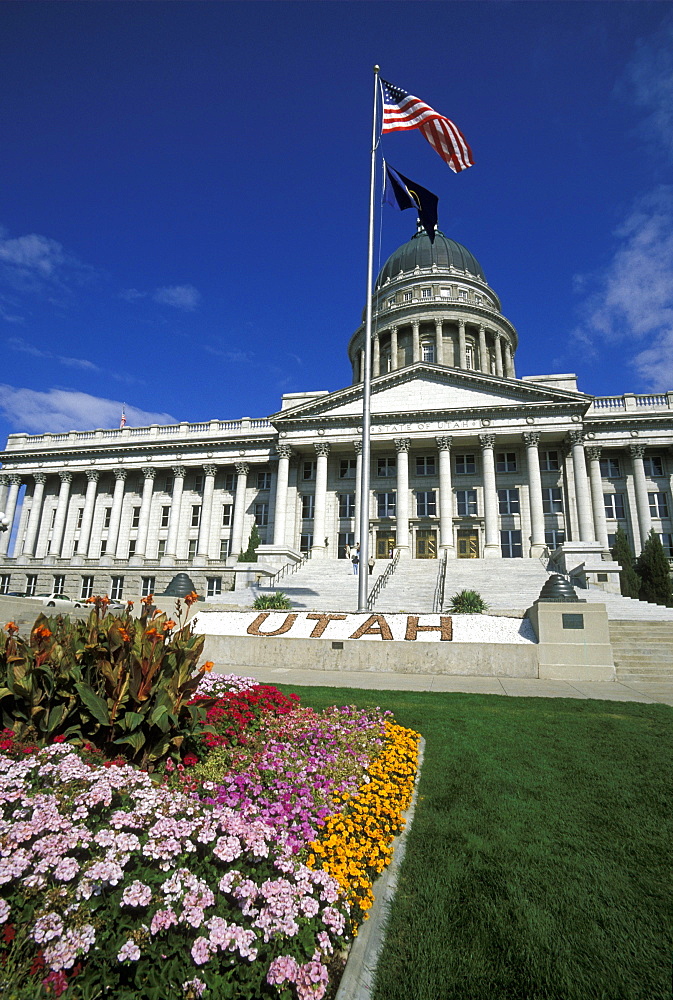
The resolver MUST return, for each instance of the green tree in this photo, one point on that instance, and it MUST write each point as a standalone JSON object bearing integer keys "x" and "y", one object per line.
{"x": 629, "y": 581}
{"x": 250, "y": 554}
{"x": 655, "y": 576}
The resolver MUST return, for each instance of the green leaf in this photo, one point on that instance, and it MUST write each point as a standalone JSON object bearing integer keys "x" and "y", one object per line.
{"x": 130, "y": 720}
{"x": 96, "y": 705}
{"x": 136, "y": 740}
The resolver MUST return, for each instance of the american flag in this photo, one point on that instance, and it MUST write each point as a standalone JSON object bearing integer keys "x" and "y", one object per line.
{"x": 122, "y": 422}
{"x": 403, "y": 111}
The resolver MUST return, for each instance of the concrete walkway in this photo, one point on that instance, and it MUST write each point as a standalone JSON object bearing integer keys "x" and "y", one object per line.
{"x": 646, "y": 692}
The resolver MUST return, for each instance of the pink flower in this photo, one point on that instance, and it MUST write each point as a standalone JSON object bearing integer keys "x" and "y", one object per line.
{"x": 137, "y": 894}
{"x": 129, "y": 951}
{"x": 200, "y": 951}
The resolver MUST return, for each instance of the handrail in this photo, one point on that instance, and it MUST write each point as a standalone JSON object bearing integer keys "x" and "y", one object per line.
{"x": 287, "y": 570}
{"x": 382, "y": 580}
{"x": 438, "y": 598}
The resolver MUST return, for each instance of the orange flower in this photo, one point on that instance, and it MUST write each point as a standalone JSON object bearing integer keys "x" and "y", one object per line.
{"x": 147, "y": 600}
{"x": 191, "y": 598}
{"x": 150, "y": 632}
{"x": 41, "y": 632}
{"x": 208, "y": 666}
{"x": 167, "y": 626}
{"x": 11, "y": 627}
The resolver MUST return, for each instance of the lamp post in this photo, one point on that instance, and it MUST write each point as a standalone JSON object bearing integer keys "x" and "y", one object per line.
{"x": 4, "y": 521}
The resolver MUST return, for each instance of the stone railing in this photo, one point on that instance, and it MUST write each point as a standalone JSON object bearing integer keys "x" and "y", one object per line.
{"x": 630, "y": 402}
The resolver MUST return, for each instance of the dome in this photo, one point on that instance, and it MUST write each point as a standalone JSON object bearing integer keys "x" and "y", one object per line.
{"x": 420, "y": 252}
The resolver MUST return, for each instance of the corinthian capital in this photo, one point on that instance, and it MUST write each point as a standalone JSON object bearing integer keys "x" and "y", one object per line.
{"x": 531, "y": 438}
{"x": 284, "y": 451}
{"x": 242, "y": 468}
{"x": 593, "y": 453}
{"x": 487, "y": 441}
{"x": 576, "y": 436}
{"x": 444, "y": 443}
{"x": 321, "y": 448}
{"x": 637, "y": 450}
{"x": 402, "y": 444}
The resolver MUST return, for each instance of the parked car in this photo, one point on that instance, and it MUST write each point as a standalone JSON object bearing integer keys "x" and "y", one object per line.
{"x": 61, "y": 601}
{"x": 15, "y": 593}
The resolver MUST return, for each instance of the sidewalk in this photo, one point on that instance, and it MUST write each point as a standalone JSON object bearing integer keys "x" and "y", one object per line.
{"x": 661, "y": 692}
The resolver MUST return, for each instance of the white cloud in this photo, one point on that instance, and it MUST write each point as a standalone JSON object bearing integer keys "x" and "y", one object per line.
{"x": 61, "y": 410}
{"x": 35, "y": 263}
{"x": 180, "y": 296}
{"x": 131, "y": 294}
{"x": 649, "y": 79}
{"x": 19, "y": 344}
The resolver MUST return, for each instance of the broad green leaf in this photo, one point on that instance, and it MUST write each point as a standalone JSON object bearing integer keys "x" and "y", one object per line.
{"x": 96, "y": 705}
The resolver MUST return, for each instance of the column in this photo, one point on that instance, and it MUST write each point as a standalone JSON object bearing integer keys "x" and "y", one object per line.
{"x": 210, "y": 471}
{"x": 320, "y": 500}
{"x": 393, "y": 349}
{"x": 509, "y": 361}
{"x": 280, "y": 512}
{"x": 116, "y": 513}
{"x": 149, "y": 472}
{"x": 584, "y": 512}
{"x": 61, "y": 512}
{"x": 416, "y": 341}
{"x": 531, "y": 439}
{"x": 439, "y": 342}
{"x": 179, "y": 473}
{"x": 236, "y": 547}
{"x": 402, "y": 516}
{"x": 358, "y": 488}
{"x": 491, "y": 539}
{"x": 642, "y": 499}
{"x": 4, "y": 483}
{"x": 10, "y": 511}
{"x": 376, "y": 355}
{"x": 497, "y": 344}
{"x": 35, "y": 513}
{"x": 462, "y": 354}
{"x": 445, "y": 497}
{"x": 597, "y": 500}
{"x": 92, "y": 476}
{"x": 484, "y": 362}
{"x": 362, "y": 364}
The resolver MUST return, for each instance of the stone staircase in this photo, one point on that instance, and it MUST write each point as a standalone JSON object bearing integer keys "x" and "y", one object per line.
{"x": 411, "y": 588}
{"x": 325, "y": 585}
{"x": 505, "y": 584}
{"x": 643, "y": 651}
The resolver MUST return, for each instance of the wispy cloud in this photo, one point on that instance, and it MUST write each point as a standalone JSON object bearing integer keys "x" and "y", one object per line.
{"x": 19, "y": 344}
{"x": 232, "y": 357}
{"x": 62, "y": 410}
{"x": 38, "y": 264}
{"x": 179, "y": 296}
{"x": 648, "y": 81}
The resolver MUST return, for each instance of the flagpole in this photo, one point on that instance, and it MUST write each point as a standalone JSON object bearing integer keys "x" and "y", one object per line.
{"x": 363, "y": 569}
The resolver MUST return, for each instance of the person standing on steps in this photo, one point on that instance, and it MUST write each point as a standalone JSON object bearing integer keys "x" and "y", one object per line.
{"x": 371, "y": 564}
{"x": 355, "y": 558}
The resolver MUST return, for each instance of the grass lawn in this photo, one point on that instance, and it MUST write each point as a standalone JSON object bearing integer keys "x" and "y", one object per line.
{"x": 540, "y": 861}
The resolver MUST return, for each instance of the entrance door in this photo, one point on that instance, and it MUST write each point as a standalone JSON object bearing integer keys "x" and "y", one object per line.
{"x": 385, "y": 543}
{"x": 426, "y": 544}
{"x": 468, "y": 544}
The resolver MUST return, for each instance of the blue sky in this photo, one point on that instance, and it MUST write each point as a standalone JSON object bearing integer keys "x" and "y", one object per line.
{"x": 183, "y": 193}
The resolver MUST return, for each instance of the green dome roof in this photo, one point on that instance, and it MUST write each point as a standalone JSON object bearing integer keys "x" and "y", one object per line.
{"x": 420, "y": 252}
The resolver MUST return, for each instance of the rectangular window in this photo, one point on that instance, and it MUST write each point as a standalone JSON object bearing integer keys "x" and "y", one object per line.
{"x": 426, "y": 503}
{"x": 549, "y": 461}
{"x": 658, "y": 504}
{"x": 86, "y": 590}
{"x": 161, "y": 548}
{"x": 224, "y": 549}
{"x": 552, "y": 500}
{"x": 261, "y": 514}
{"x": 428, "y": 351}
{"x": 425, "y": 466}
{"x": 80, "y": 516}
{"x": 653, "y": 466}
{"x": 305, "y": 542}
{"x": 191, "y": 551}
{"x": 385, "y": 504}
{"x": 426, "y": 293}
{"x": 117, "y": 588}
{"x": 667, "y": 542}
{"x": 31, "y": 584}
{"x": 226, "y": 515}
{"x": 614, "y": 505}
{"x": 469, "y": 356}
{"x": 466, "y": 503}
{"x": 196, "y": 515}
{"x": 165, "y": 516}
{"x": 554, "y": 537}
{"x": 308, "y": 471}
{"x": 228, "y": 482}
{"x": 346, "y": 538}
{"x": 168, "y": 484}
{"x": 505, "y": 461}
{"x": 5, "y": 579}
{"x": 132, "y": 547}
{"x": 135, "y": 517}
{"x": 107, "y": 514}
{"x": 347, "y": 468}
{"x": 465, "y": 465}
{"x": 198, "y": 483}
{"x": 407, "y": 297}
{"x": 263, "y": 480}
{"x": 347, "y": 505}
{"x": 510, "y": 544}
{"x": 307, "y": 506}
{"x": 103, "y": 546}
{"x": 609, "y": 468}
{"x": 53, "y": 518}
{"x": 147, "y": 585}
{"x": 462, "y": 295}
{"x": 385, "y": 467}
{"x": 213, "y": 586}
{"x": 508, "y": 501}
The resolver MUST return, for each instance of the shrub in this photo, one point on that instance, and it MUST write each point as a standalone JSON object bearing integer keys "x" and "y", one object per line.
{"x": 467, "y": 602}
{"x": 629, "y": 581}
{"x": 654, "y": 572}
{"x": 278, "y": 601}
{"x": 250, "y": 554}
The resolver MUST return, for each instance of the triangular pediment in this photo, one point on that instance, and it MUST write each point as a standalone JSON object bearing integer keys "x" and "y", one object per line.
{"x": 431, "y": 388}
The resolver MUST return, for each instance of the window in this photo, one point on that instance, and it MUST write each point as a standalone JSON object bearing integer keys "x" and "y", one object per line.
{"x": 653, "y": 466}
{"x": 347, "y": 505}
{"x": 165, "y": 516}
{"x": 31, "y": 584}
{"x": 117, "y": 588}
{"x": 428, "y": 351}
{"x": 161, "y": 548}
{"x": 385, "y": 504}
{"x": 505, "y": 461}
{"x": 80, "y": 516}
{"x": 508, "y": 501}
{"x": 261, "y": 514}
{"x": 466, "y": 502}
{"x": 307, "y": 506}
{"x": 229, "y": 482}
{"x": 549, "y": 461}
{"x": 426, "y": 503}
{"x": 198, "y": 483}
{"x": 86, "y": 590}
{"x": 226, "y": 515}
{"x": 53, "y": 518}
{"x": 425, "y": 466}
{"x": 385, "y": 467}
{"x": 462, "y": 295}
{"x": 147, "y": 585}
{"x": 213, "y": 586}
{"x": 552, "y": 500}
{"x": 107, "y": 514}
{"x": 469, "y": 356}
{"x": 135, "y": 517}
{"x": 614, "y": 505}
{"x": 465, "y": 465}
{"x": 477, "y": 299}
{"x": 263, "y": 480}
{"x": 191, "y": 551}
{"x": 667, "y": 542}
{"x": 554, "y": 537}
{"x": 426, "y": 293}
{"x": 347, "y": 468}
{"x": 5, "y": 579}
{"x": 196, "y": 515}
{"x": 103, "y": 546}
{"x": 610, "y": 468}
{"x": 305, "y": 542}
{"x": 132, "y": 547}
{"x": 168, "y": 484}
{"x": 658, "y": 504}
{"x": 224, "y": 549}
{"x": 346, "y": 538}
{"x": 407, "y": 297}
{"x": 391, "y": 302}
{"x": 510, "y": 544}
{"x": 308, "y": 470}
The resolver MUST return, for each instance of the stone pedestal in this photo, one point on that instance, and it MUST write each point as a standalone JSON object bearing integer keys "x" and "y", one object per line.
{"x": 573, "y": 641}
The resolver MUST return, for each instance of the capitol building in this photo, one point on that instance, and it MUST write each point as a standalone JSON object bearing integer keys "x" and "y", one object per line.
{"x": 469, "y": 460}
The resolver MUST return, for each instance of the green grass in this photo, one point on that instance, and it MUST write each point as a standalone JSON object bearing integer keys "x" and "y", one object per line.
{"x": 539, "y": 865}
